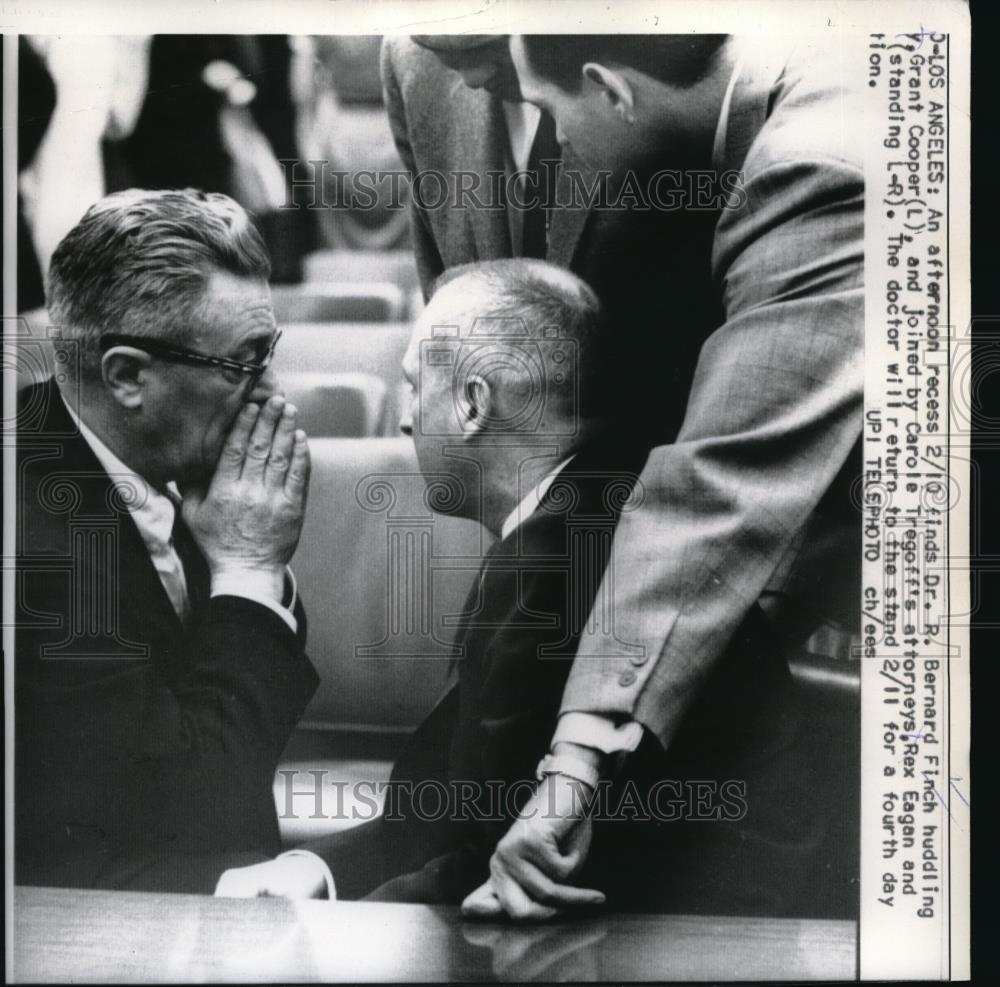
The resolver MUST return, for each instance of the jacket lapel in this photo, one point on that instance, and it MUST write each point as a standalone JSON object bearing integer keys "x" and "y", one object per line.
{"x": 568, "y": 221}
{"x": 144, "y": 612}
{"x": 480, "y": 121}
{"x": 747, "y": 110}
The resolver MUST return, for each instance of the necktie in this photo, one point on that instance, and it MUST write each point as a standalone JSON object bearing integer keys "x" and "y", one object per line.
{"x": 196, "y": 573}
{"x": 545, "y": 147}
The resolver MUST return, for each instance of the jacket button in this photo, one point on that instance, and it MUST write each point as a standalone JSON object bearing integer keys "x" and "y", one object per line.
{"x": 626, "y": 678}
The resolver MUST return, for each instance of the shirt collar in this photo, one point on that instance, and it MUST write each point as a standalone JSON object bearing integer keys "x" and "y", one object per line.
{"x": 152, "y": 511}
{"x": 530, "y": 503}
{"x": 522, "y": 125}
{"x": 722, "y": 128}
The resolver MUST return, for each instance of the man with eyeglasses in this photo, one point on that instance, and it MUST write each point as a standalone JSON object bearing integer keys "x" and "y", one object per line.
{"x": 161, "y": 489}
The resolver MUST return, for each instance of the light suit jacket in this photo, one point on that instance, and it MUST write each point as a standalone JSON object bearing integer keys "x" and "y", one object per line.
{"x": 740, "y": 332}
{"x": 752, "y": 499}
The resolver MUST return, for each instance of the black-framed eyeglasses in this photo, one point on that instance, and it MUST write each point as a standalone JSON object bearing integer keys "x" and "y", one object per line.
{"x": 253, "y": 371}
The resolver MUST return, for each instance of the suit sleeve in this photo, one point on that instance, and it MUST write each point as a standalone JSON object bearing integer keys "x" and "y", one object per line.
{"x": 129, "y": 780}
{"x": 428, "y": 257}
{"x": 248, "y": 686}
{"x": 774, "y": 410}
{"x": 218, "y": 736}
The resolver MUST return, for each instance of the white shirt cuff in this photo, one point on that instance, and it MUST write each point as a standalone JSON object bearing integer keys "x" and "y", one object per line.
{"x": 331, "y": 888}
{"x": 256, "y": 586}
{"x": 598, "y": 732}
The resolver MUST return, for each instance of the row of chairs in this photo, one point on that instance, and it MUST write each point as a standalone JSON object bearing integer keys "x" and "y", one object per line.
{"x": 344, "y": 377}
{"x": 352, "y": 286}
{"x": 370, "y": 301}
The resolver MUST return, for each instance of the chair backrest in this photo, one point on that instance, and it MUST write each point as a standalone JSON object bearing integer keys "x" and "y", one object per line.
{"x": 373, "y": 349}
{"x": 341, "y": 347}
{"x": 379, "y": 574}
{"x": 333, "y": 405}
{"x": 827, "y": 763}
{"x": 826, "y": 682}
{"x": 346, "y": 266}
{"x": 338, "y": 302}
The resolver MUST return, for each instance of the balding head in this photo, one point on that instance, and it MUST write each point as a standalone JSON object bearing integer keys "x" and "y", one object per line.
{"x": 503, "y": 364}
{"x": 502, "y": 367}
{"x": 534, "y": 326}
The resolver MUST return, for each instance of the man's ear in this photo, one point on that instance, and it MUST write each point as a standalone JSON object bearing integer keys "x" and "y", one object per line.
{"x": 614, "y": 87}
{"x": 125, "y": 370}
{"x": 475, "y": 404}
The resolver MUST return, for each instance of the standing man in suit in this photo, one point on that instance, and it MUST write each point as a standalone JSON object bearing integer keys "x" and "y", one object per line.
{"x": 510, "y": 404}
{"x": 459, "y": 118}
{"x": 159, "y": 641}
{"x": 748, "y": 504}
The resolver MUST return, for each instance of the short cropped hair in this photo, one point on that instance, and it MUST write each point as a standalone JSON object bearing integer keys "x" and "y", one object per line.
{"x": 139, "y": 262}
{"x": 543, "y": 296}
{"x": 677, "y": 59}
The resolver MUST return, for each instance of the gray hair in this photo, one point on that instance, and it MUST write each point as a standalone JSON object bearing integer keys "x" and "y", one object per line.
{"x": 139, "y": 262}
{"x": 543, "y": 297}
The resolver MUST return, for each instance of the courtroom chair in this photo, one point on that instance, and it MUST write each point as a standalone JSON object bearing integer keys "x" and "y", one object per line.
{"x": 353, "y": 266}
{"x": 338, "y": 405}
{"x": 828, "y": 763}
{"x": 383, "y": 579}
{"x": 416, "y": 304}
{"x": 361, "y": 301}
{"x": 374, "y": 348}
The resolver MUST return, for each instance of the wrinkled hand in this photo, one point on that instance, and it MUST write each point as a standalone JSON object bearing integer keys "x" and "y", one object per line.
{"x": 544, "y": 847}
{"x": 250, "y": 517}
{"x": 286, "y": 877}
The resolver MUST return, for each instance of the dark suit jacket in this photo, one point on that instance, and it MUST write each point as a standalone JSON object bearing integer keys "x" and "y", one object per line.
{"x": 145, "y": 751}
{"x": 520, "y": 630}
{"x": 177, "y": 140}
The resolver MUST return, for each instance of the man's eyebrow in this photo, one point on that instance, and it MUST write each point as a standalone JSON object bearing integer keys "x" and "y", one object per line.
{"x": 257, "y": 342}
{"x": 265, "y": 333}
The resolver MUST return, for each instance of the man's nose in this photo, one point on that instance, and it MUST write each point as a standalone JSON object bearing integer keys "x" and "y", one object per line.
{"x": 406, "y": 424}
{"x": 267, "y": 386}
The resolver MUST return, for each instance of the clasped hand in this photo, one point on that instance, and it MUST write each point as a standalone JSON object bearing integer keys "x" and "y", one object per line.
{"x": 250, "y": 517}
{"x": 541, "y": 851}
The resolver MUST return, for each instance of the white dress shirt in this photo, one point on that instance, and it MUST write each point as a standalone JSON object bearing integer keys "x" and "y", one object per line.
{"x": 153, "y": 513}
{"x": 522, "y": 125}
{"x": 529, "y": 503}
